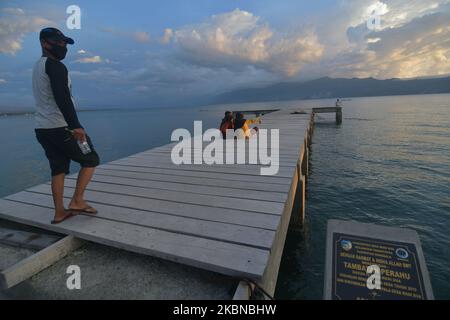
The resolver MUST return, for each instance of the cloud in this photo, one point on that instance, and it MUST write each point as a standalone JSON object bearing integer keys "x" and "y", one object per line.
{"x": 239, "y": 49}
{"x": 93, "y": 59}
{"x": 138, "y": 36}
{"x": 239, "y": 38}
{"x": 85, "y": 56}
{"x": 2, "y": 81}
{"x": 419, "y": 47}
{"x": 412, "y": 41}
{"x": 98, "y": 74}
{"x": 141, "y": 36}
{"x": 14, "y": 25}
{"x": 236, "y": 49}
{"x": 168, "y": 34}
{"x": 14, "y": 11}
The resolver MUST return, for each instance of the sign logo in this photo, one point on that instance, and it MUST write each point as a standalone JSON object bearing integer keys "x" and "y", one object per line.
{"x": 401, "y": 253}
{"x": 346, "y": 245}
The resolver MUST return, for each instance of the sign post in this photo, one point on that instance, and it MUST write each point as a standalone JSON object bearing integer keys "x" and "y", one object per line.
{"x": 371, "y": 262}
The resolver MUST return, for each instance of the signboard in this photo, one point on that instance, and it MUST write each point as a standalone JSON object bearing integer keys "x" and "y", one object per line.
{"x": 370, "y": 262}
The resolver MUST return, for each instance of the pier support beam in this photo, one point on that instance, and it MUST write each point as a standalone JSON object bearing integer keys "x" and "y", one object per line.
{"x": 298, "y": 214}
{"x": 39, "y": 261}
{"x": 270, "y": 276}
{"x": 243, "y": 291}
{"x": 304, "y": 158}
{"x": 339, "y": 115}
{"x": 336, "y": 110}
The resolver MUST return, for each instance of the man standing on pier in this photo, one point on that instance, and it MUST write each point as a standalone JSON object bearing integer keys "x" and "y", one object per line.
{"x": 57, "y": 127}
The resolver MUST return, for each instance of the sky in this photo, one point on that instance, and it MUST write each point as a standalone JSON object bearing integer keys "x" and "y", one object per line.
{"x": 134, "y": 53}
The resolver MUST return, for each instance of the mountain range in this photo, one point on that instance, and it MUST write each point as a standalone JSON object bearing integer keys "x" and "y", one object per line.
{"x": 326, "y": 87}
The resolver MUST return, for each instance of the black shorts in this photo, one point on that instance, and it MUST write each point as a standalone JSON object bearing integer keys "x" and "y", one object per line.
{"x": 61, "y": 147}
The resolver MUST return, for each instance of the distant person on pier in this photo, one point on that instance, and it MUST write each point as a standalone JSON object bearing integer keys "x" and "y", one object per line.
{"x": 227, "y": 123}
{"x": 338, "y": 103}
{"x": 57, "y": 127}
{"x": 244, "y": 124}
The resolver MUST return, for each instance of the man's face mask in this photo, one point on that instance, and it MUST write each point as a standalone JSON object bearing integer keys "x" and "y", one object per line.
{"x": 59, "y": 52}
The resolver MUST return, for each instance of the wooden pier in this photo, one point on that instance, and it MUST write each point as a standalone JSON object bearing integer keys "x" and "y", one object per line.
{"x": 223, "y": 218}
{"x": 337, "y": 110}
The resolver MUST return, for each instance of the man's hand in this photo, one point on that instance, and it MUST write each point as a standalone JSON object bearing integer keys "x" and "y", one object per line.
{"x": 79, "y": 134}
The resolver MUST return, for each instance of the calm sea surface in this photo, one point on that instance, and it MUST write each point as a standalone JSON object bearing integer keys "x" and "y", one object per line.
{"x": 389, "y": 163}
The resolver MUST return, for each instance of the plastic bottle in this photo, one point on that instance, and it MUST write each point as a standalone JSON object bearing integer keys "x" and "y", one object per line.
{"x": 84, "y": 147}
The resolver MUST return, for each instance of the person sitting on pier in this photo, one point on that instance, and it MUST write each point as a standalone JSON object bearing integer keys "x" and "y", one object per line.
{"x": 227, "y": 123}
{"x": 244, "y": 124}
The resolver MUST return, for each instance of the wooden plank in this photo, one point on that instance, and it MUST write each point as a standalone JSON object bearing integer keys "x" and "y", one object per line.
{"x": 221, "y": 257}
{"x": 39, "y": 261}
{"x": 140, "y": 173}
{"x": 246, "y": 170}
{"x": 243, "y": 205}
{"x": 287, "y": 151}
{"x": 228, "y": 192}
{"x": 326, "y": 110}
{"x": 260, "y": 206}
{"x": 255, "y": 182}
{"x": 249, "y": 219}
{"x": 285, "y": 161}
{"x": 284, "y": 153}
{"x": 250, "y": 236}
{"x": 166, "y": 158}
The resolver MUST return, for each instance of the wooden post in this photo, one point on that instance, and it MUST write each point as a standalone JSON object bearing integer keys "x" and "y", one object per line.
{"x": 243, "y": 291}
{"x": 305, "y": 158}
{"x": 301, "y": 198}
{"x": 39, "y": 261}
{"x": 336, "y": 110}
{"x": 309, "y": 132}
{"x": 338, "y": 115}
{"x": 299, "y": 209}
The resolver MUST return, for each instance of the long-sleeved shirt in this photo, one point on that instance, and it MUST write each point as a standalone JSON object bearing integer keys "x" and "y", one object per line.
{"x": 246, "y": 126}
{"x": 55, "y": 106}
